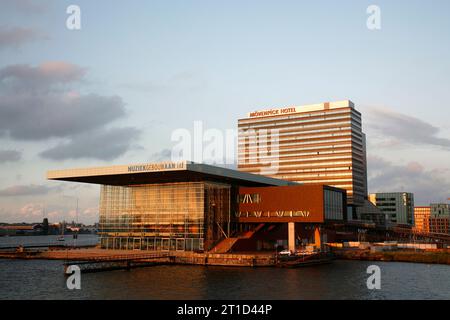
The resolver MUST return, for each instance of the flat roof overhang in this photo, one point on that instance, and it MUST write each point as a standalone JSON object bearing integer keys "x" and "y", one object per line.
{"x": 163, "y": 172}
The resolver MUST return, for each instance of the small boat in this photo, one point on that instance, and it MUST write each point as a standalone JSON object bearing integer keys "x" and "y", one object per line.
{"x": 60, "y": 238}
{"x": 305, "y": 260}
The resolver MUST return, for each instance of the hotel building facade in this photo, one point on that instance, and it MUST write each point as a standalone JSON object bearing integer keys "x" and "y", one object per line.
{"x": 312, "y": 144}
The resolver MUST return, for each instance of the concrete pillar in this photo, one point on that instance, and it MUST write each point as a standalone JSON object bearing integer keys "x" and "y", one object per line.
{"x": 317, "y": 237}
{"x": 291, "y": 236}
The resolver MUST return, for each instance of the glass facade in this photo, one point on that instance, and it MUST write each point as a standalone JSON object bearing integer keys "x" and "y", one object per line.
{"x": 188, "y": 216}
{"x": 333, "y": 205}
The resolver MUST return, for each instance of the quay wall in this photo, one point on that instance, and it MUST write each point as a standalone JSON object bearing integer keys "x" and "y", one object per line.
{"x": 430, "y": 257}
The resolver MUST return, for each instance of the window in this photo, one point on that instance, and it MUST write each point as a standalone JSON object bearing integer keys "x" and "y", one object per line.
{"x": 249, "y": 198}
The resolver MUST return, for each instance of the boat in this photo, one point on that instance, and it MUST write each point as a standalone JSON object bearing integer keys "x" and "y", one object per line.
{"x": 305, "y": 260}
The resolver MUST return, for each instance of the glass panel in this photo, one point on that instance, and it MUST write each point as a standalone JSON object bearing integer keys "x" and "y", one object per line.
{"x": 139, "y": 217}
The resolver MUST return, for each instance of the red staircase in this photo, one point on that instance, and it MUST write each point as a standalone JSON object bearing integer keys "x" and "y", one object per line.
{"x": 249, "y": 234}
{"x": 224, "y": 246}
{"x": 227, "y": 244}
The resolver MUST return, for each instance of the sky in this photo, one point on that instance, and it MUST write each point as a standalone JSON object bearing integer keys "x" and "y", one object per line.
{"x": 114, "y": 91}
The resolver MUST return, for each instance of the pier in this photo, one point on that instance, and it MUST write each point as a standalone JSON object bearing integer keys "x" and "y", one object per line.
{"x": 121, "y": 261}
{"x": 95, "y": 259}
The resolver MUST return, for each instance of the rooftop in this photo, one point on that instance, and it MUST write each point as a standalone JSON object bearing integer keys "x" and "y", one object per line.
{"x": 162, "y": 172}
{"x": 300, "y": 109}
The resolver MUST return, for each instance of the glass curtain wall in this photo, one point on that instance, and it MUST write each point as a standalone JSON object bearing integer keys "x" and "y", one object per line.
{"x": 163, "y": 216}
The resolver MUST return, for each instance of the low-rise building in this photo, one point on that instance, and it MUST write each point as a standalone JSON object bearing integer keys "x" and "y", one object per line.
{"x": 439, "y": 218}
{"x": 421, "y": 218}
{"x": 397, "y": 206}
{"x": 434, "y": 218}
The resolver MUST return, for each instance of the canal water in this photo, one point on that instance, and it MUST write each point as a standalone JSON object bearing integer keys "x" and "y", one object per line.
{"x": 41, "y": 279}
{"x": 82, "y": 240}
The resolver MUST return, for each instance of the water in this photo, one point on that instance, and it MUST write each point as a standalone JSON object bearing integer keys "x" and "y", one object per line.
{"x": 40, "y": 279}
{"x": 83, "y": 240}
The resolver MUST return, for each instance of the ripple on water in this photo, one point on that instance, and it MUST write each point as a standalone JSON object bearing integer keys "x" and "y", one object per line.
{"x": 40, "y": 279}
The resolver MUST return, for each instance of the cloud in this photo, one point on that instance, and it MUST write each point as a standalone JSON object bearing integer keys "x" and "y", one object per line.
{"x": 427, "y": 185}
{"x": 26, "y": 190}
{"x": 23, "y": 77}
{"x": 183, "y": 81}
{"x": 163, "y": 155}
{"x": 90, "y": 214}
{"x": 399, "y": 129}
{"x": 25, "y": 117}
{"x": 25, "y": 6}
{"x": 38, "y": 103}
{"x": 31, "y": 211}
{"x": 10, "y": 156}
{"x": 102, "y": 144}
{"x": 87, "y": 216}
{"x": 14, "y": 37}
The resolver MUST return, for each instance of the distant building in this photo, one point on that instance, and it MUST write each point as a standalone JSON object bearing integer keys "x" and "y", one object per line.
{"x": 438, "y": 225}
{"x": 434, "y": 218}
{"x": 440, "y": 210}
{"x": 397, "y": 206}
{"x": 421, "y": 218}
{"x": 19, "y": 229}
{"x": 369, "y": 212}
{"x": 439, "y": 218}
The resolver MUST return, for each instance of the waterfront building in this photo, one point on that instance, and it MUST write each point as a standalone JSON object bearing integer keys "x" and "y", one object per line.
{"x": 439, "y": 218}
{"x": 434, "y": 218}
{"x": 302, "y": 209}
{"x": 397, "y": 206}
{"x": 440, "y": 210}
{"x": 195, "y": 207}
{"x": 368, "y": 212}
{"x": 421, "y": 218}
{"x": 439, "y": 224}
{"x": 321, "y": 143}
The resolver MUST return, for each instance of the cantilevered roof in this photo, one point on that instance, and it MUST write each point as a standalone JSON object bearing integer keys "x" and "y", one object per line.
{"x": 162, "y": 172}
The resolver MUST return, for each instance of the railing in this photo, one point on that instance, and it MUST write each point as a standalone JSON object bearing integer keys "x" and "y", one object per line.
{"x": 127, "y": 257}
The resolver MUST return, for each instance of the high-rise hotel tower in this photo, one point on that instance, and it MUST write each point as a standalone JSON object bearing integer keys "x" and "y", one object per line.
{"x": 321, "y": 143}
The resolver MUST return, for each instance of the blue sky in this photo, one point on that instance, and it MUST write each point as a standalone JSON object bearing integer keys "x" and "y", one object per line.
{"x": 146, "y": 68}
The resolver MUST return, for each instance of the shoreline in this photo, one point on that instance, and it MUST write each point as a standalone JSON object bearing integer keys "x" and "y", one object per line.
{"x": 427, "y": 257}
{"x": 239, "y": 259}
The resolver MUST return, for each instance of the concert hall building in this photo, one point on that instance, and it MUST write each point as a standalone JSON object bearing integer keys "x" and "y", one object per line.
{"x": 187, "y": 206}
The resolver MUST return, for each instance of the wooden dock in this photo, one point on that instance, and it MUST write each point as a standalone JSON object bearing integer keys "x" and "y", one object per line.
{"x": 96, "y": 259}
{"x": 305, "y": 261}
{"x": 117, "y": 262}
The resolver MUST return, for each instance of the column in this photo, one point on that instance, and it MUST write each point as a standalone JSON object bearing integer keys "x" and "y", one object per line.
{"x": 291, "y": 236}
{"x": 317, "y": 237}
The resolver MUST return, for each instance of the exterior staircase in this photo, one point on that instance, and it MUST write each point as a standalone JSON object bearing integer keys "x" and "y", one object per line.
{"x": 227, "y": 244}
{"x": 224, "y": 246}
